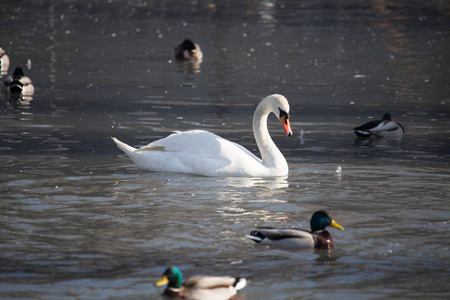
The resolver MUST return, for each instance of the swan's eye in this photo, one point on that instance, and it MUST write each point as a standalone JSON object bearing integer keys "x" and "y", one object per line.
{"x": 284, "y": 114}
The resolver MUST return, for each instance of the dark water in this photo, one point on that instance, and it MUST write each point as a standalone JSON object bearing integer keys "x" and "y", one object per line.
{"x": 79, "y": 220}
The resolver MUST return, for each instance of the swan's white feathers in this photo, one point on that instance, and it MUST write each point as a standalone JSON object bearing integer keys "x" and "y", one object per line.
{"x": 124, "y": 147}
{"x": 198, "y": 142}
{"x": 204, "y": 153}
{"x": 151, "y": 148}
{"x": 208, "y": 155}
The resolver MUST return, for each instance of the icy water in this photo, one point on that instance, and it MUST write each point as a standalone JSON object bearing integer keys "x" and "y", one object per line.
{"x": 80, "y": 221}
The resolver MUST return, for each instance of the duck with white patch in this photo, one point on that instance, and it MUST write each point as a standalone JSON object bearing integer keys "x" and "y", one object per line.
{"x": 204, "y": 153}
{"x": 18, "y": 83}
{"x": 4, "y": 60}
{"x": 200, "y": 287}
{"x": 188, "y": 50}
{"x": 385, "y": 128}
{"x": 296, "y": 238}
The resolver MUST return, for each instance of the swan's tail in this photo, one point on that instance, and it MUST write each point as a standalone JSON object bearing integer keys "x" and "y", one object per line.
{"x": 122, "y": 146}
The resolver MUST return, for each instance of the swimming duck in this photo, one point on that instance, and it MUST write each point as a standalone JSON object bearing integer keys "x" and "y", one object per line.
{"x": 19, "y": 83}
{"x": 381, "y": 128}
{"x": 4, "y": 60}
{"x": 296, "y": 238}
{"x": 200, "y": 287}
{"x": 204, "y": 153}
{"x": 188, "y": 50}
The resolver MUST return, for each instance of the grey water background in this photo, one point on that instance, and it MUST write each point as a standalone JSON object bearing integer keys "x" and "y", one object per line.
{"x": 79, "y": 221}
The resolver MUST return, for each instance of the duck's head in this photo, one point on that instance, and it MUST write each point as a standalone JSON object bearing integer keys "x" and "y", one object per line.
{"x": 172, "y": 277}
{"x": 386, "y": 117}
{"x": 188, "y": 45}
{"x": 18, "y": 72}
{"x": 321, "y": 219}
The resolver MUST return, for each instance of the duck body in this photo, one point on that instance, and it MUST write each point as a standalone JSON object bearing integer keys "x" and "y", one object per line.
{"x": 292, "y": 238}
{"x": 205, "y": 153}
{"x": 4, "y": 60}
{"x": 188, "y": 50}
{"x": 18, "y": 83}
{"x": 296, "y": 238}
{"x": 381, "y": 128}
{"x": 200, "y": 287}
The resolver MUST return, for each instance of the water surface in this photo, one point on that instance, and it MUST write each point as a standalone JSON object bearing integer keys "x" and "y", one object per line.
{"x": 79, "y": 220}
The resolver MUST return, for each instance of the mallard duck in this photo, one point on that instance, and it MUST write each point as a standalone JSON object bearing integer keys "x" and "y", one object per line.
{"x": 381, "y": 128}
{"x": 204, "y": 153}
{"x": 200, "y": 287}
{"x": 4, "y": 60}
{"x": 188, "y": 50}
{"x": 19, "y": 83}
{"x": 296, "y": 238}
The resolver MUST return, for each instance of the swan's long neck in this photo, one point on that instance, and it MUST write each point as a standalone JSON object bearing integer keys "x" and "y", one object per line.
{"x": 270, "y": 155}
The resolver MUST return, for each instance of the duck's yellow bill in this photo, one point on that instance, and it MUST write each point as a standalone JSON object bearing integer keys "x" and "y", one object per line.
{"x": 162, "y": 281}
{"x": 336, "y": 225}
{"x": 286, "y": 125}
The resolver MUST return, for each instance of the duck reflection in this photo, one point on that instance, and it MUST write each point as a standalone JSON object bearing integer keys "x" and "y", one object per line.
{"x": 376, "y": 142}
{"x": 19, "y": 101}
{"x": 327, "y": 256}
{"x": 188, "y": 67}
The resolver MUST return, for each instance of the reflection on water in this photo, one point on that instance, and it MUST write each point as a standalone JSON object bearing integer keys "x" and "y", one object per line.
{"x": 377, "y": 142}
{"x": 188, "y": 67}
{"x": 19, "y": 101}
{"x": 78, "y": 220}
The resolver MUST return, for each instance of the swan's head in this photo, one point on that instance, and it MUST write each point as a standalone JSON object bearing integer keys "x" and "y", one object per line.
{"x": 280, "y": 107}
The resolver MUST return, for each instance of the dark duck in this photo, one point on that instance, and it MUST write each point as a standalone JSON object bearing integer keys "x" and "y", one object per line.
{"x": 188, "y": 50}
{"x": 381, "y": 128}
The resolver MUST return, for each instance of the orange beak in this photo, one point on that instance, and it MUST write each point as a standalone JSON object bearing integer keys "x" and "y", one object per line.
{"x": 286, "y": 125}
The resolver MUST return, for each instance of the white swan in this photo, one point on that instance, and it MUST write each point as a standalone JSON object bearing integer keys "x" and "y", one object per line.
{"x": 204, "y": 153}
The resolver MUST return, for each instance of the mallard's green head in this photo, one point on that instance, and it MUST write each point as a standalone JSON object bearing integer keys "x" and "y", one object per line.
{"x": 320, "y": 219}
{"x": 172, "y": 276}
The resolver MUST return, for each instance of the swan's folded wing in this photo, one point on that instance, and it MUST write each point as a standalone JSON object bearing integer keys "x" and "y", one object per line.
{"x": 151, "y": 147}
{"x": 198, "y": 142}
{"x": 203, "y": 144}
